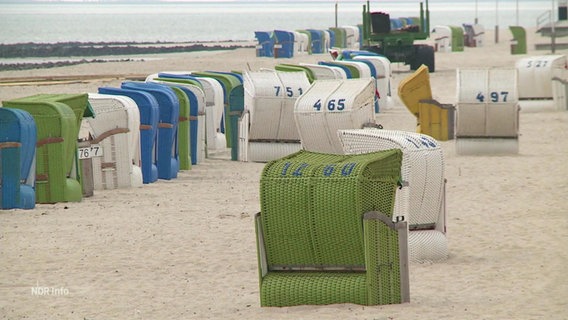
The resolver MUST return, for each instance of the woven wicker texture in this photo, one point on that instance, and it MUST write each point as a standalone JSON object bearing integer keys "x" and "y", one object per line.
{"x": 312, "y": 206}
{"x": 422, "y": 201}
{"x": 422, "y": 168}
{"x": 331, "y": 105}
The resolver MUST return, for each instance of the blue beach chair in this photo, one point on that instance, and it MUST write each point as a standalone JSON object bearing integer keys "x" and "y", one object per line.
{"x": 265, "y": 46}
{"x": 17, "y": 159}
{"x": 283, "y": 44}
{"x": 168, "y": 153}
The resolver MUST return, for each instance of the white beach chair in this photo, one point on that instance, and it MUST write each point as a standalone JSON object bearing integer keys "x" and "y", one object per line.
{"x": 214, "y": 110}
{"x": 442, "y": 36}
{"x": 301, "y": 43}
{"x": 537, "y": 89}
{"x": 331, "y": 105}
{"x": 352, "y": 37}
{"x": 421, "y": 200}
{"x": 115, "y": 128}
{"x": 322, "y": 72}
{"x": 384, "y": 78}
{"x": 487, "y": 120}
{"x": 267, "y": 128}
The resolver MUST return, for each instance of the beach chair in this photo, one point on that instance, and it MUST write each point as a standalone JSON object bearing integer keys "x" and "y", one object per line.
{"x": 149, "y": 113}
{"x": 538, "y": 90}
{"x": 17, "y": 159}
{"x": 287, "y": 67}
{"x": 265, "y": 46}
{"x": 229, "y": 82}
{"x": 196, "y": 96}
{"x": 519, "y": 41}
{"x": 422, "y": 201}
{"x": 322, "y": 72}
{"x": 283, "y": 44}
{"x": 432, "y": 118}
{"x": 326, "y": 232}
{"x": 350, "y": 71}
{"x": 352, "y": 37}
{"x": 331, "y": 105}
{"x": 58, "y": 118}
{"x": 168, "y": 149}
{"x": 317, "y": 41}
{"x": 473, "y": 35}
{"x": 384, "y": 78}
{"x": 267, "y": 128}
{"x": 115, "y": 129}
{"x": 339, "y": 37}
{"x": 442, "y": 36}
{"x": 487, "y": 120}
{"x": 302, "y": 42}
{"x": 214, "y": 109}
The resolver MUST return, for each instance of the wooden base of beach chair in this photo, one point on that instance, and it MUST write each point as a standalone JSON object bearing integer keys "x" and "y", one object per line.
{"x": 487, "y": 146}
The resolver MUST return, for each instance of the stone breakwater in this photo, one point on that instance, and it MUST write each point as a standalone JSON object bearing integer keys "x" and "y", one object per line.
{"x": 95, "y": 49}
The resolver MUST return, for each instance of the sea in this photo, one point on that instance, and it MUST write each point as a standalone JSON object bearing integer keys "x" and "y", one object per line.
{"x": 197, "y": 21}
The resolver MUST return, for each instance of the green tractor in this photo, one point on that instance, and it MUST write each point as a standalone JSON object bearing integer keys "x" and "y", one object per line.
{"x": 398, "y": 44}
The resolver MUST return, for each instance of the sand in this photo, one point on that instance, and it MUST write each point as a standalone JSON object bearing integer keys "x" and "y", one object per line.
{"x": 185, "y": 248}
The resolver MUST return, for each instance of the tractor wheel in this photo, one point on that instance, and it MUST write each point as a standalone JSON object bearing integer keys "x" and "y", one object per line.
{"x": 423, "y": 55}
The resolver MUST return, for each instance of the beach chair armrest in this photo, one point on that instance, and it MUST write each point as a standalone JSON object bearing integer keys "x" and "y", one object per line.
{"x": 260, "y": 249}
{"x": 386, "y": 250}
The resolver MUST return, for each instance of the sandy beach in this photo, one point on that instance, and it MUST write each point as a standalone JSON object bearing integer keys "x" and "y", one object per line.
{"x": 185, "y": 248}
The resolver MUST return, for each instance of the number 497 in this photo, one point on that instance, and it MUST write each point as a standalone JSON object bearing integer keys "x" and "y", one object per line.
{"x": 494, "y": 96}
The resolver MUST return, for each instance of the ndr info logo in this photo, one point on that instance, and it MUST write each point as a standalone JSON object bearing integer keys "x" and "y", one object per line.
{"x": 49, "y": 291}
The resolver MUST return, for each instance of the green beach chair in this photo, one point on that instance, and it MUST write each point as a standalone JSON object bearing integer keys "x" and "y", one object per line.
{"x": 457, "y": 39}
{"x": 286, "y": 67}
{"x": 519, "y": 41}
{"x": 325, "y": 233}
{"x": 183, "y": 134}
{"x": 58, "y": 118}
{"x": 229, "y": 82}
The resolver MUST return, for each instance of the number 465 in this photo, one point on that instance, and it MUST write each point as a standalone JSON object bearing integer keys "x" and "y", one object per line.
{"x": 333, "y": 104}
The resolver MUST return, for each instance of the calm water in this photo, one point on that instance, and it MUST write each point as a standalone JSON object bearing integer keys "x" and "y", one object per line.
{"x": 232, "y": 20}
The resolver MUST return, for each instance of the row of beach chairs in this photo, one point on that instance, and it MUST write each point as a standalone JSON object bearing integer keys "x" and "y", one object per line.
{"x": 485, "y": 119}
{"x": 169, "y": 108}
{"x": 345, "y": 205}
{"x": 287, "y": 43}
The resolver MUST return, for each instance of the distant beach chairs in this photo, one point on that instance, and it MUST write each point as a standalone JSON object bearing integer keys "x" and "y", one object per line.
{"x": 448, "y": 38}
{"x": 290, "y": 43}
{"x": 132, "y": 135}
